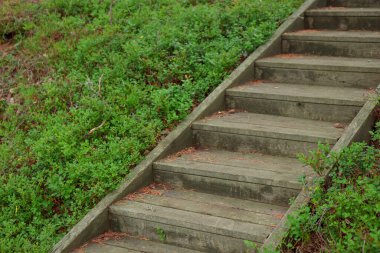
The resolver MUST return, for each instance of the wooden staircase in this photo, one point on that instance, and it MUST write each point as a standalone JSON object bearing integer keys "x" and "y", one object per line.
{"x": 231, "y": 189}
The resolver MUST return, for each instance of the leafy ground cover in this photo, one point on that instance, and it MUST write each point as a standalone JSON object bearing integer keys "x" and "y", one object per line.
{"x": 87, "y": 88}
{"x": 344, "y": 210}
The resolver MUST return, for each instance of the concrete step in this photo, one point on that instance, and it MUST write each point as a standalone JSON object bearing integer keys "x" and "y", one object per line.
{"x": 196, "y": 221}
{"x": 102, "y": 248}
{"x": 215, "y": 205}
{"x": 319, "y": 70}
{"x": 354, "y": 3}
{"x": 264, "y": 178}
{"x": 269, "y": 134}
{"x": 298, "y": 100}
{"x": 128, "y": 244}
{"x": 362, "y": 44}
{"x": 338, "y": 18}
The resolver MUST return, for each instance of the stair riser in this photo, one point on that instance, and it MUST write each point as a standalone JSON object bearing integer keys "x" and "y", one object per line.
{"x": 247, "y": 143}
{"x": 297, "y": 109}
{"x": 179, "y": 236}
{"x": 318, "y": 77}
{"x": 343, "y": 23}
{"x": 103, "y": 247}
{"x": 260, "y": 192}
{"x": 329, "y": 48}
{"x": 354, "y": 3}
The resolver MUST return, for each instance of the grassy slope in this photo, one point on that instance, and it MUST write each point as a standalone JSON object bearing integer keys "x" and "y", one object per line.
{"x": 88, "y": 86}
{"x": 344, "y": 210}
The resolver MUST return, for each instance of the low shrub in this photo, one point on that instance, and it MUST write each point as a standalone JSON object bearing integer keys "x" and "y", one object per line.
{"x": 343, "y": 214}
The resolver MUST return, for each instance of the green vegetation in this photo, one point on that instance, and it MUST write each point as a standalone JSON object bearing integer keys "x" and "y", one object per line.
{"x": 87, "y": 88}
{"x": 161, "y": 234}
{"x": 344, "y": 210}
{"x": 250, "y": 245}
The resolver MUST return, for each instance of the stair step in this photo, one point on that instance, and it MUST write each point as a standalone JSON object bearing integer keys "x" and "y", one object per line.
{"x": 215, "y": 205}
{"x": 271, "y": 134}
{"x": 200, "y": 222}
{"x": 338, "y": 18}
{"x": 298, "y": 100}
{"x": 335, "y": 36}
{"x": 130, "y": 244}
{"x": 299, "y": 61}
{"x": 363, "y": 44}
{"x": 101, "y": 248}
{"x": 239, "y": 159}
{"x": 354, "y": 3}
{"x": 319, "y": 70}
{"x": 264, "y": 178}
{"x": 344, "y": 12}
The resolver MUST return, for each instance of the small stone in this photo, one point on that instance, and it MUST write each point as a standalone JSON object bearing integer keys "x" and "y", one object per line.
{"x": 339, "y": 125}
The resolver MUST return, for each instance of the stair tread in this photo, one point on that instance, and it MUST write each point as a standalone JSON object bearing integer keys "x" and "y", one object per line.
{"x": 271, "y": 126}
{"x": 221, "y": 201}
{"x": 199, "y": 217}
{"x": 336, "y": 36}
{"x": 235, "y": 166}
{"x": 301, "y": 93}
{"x": 300, "y": 61}
{"x": 133, "y": 245}
{"x": 214, "y": 205}
{"x": 353, "y": 3}
{"x": 238, "y": 159}
{"x": 101, "y": 248}
{"x": 343, "y": 11}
